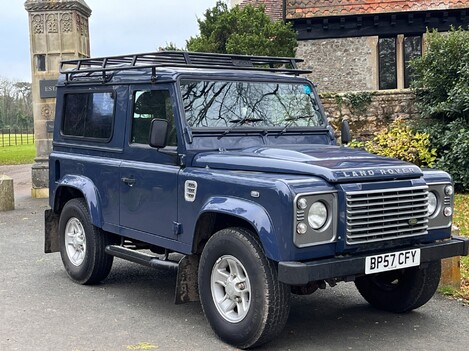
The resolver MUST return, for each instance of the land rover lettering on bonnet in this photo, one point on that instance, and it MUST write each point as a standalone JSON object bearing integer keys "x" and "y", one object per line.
{"x": 373, "y": 172}
{"x": 225, "y": 168}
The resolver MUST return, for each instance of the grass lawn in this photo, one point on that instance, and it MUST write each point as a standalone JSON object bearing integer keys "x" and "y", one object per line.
{"x": 16, "y": 155}
{"x": 461, "y": 219}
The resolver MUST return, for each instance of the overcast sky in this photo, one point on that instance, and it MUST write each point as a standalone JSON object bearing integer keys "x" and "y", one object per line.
{"x": 116, "y": 27}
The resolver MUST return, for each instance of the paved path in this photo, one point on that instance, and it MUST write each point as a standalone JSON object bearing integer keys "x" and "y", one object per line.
{"x": 21, "y": 175}
{"x": 41, "y": 309}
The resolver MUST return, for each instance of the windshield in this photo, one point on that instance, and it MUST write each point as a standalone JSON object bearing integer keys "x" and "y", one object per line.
{"x": 228, "y": 104}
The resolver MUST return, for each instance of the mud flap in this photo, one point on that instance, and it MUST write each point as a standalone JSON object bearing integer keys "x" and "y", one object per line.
{"x": 187, "y": 289}
{"x": 51, "y": 232}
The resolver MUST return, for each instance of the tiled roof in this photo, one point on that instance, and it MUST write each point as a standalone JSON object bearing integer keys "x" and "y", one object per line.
{"x": 273, "y": 8}
{"x": 323, "y": 8}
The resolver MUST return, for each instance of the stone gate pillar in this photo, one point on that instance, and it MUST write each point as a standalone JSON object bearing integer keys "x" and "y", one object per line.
{"x": 58, "y": 29}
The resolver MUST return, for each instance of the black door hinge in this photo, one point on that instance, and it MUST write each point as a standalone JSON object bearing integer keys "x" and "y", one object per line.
{"x": 177, "y": 228}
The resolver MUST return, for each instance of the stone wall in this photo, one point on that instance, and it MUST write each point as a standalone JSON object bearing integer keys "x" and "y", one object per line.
{"x": 368, "y": 112}
{"x": 346, "y": 64}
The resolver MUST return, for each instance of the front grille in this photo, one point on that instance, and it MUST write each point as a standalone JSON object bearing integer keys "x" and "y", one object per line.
{"x": 386, "y": 214}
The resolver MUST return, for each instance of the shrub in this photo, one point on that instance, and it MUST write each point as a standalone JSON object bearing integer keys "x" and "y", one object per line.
{"x": 441, "y": 85}
{"x": 356, "y": 144}
{"x": 402, "y": 142}
{"x": 452, "y": 141}
{"x": 441, "y": 76}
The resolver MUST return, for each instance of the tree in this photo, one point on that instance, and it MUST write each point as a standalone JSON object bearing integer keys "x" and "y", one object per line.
{"x": 441, "y": 76}
{"x": 170, "y": 47}
{"x": 15, "y": 104}
{"x": 243, "y": 30}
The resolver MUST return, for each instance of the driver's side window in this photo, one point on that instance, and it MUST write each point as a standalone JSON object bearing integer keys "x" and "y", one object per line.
{"x": 150, "y": 104}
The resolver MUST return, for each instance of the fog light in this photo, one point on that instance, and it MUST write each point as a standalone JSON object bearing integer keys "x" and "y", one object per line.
{"x": 448, "y": 211}
{"x": 449, "y": 190}
{"x": 301, "y": 228}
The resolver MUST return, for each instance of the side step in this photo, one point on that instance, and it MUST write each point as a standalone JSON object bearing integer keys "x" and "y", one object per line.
{"x": 187, "y": 269}
{"x": 139, "y": 257}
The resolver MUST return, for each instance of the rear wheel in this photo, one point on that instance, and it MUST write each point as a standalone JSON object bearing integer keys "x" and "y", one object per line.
{"x": 241, "y": 297}
{"x": 400, "y": 290}
{"x": 82, "y": 245}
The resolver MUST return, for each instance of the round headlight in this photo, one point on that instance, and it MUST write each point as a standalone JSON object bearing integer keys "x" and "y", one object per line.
{"x": 432, "y": 203}
{"x": 317, "y": 215}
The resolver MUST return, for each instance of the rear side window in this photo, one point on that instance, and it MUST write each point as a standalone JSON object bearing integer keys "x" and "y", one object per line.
{"x": 89, "y": 115}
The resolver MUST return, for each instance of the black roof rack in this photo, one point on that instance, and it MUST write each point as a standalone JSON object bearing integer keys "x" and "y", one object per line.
{"x": 104, "y": 67}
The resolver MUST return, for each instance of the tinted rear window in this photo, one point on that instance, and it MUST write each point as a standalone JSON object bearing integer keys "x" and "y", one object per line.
{"x": 89, "y": 115}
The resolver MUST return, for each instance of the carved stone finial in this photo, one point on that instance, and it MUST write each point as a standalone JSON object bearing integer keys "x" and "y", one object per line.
{"x": 58, "y": 5}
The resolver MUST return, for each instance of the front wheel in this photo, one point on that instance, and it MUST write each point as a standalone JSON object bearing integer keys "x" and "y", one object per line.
{"x": 82, "y": 245}
{"x": 402, "y": 290}
{"x": 241, "y": 297}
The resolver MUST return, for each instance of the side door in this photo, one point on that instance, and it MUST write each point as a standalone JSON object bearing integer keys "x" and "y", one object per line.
{"x": 148, "y": 176}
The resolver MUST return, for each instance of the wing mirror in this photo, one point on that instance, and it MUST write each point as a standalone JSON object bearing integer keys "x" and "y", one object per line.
{"x": 345, "y": 135}
{"x": 158, "y": 133}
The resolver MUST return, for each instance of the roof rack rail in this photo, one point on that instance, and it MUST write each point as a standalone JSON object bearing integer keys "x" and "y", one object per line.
{"x": 106, "y": 66}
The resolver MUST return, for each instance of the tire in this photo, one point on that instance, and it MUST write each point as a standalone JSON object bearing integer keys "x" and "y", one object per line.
{"x": 403, "y": 290}
{"x": 255, "y": 305}
{"x": 82, "y": 245}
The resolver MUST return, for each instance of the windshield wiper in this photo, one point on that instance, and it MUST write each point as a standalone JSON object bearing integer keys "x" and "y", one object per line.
{"x": 240, "y": 122}
{"x": 291, "y": 121}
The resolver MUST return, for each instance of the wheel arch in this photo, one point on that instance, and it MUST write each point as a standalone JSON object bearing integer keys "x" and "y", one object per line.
{"x": 72, "y": 187}
{"x": 219, "y": 213}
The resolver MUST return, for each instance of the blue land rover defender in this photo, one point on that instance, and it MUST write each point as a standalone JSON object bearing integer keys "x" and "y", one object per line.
{"x": 225, "y": 167}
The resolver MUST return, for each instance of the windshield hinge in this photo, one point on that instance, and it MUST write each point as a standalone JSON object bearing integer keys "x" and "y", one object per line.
{"x": 182, "y": 160}
{"x": 188, "y": 132}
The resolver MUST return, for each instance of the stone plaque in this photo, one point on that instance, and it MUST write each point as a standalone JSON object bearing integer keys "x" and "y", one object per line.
{"x": 48, "y": 88}
{"x": 50, "y": 126}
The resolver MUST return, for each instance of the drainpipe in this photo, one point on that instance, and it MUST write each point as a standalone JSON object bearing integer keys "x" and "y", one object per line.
{"x": 284, "y": 10}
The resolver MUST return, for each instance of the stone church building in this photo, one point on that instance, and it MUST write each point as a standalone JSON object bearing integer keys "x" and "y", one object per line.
{"x": 357, "y": 45}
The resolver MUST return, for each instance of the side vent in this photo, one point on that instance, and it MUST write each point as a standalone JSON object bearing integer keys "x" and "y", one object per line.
{"x": 190, "y": 190}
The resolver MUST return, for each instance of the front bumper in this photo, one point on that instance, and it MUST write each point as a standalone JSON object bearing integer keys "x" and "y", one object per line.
{"x": 300, "y": 273}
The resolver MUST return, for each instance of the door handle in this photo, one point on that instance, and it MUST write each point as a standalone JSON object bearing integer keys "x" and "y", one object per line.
{"x": 129, "y": 181}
